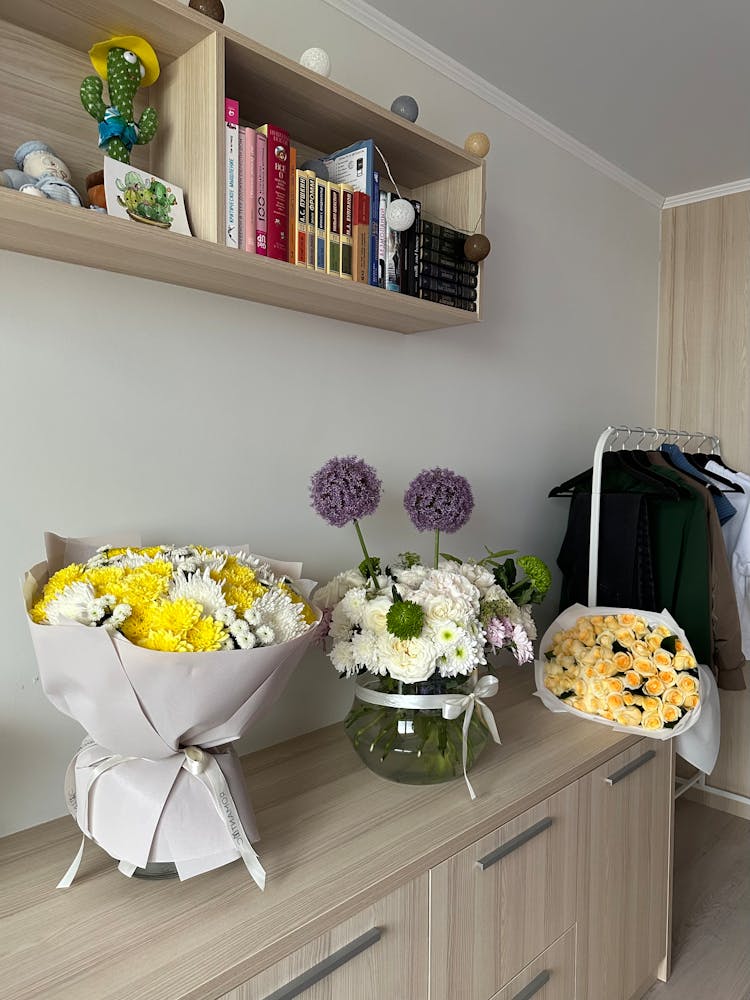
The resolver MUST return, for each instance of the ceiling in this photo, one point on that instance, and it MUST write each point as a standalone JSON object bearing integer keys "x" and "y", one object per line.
{"x": 661, "y": 88}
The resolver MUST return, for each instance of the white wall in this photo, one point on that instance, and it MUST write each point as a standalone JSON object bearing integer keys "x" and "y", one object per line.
{"x": 126, "y": 403}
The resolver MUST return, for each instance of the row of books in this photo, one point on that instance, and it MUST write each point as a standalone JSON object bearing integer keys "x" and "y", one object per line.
{"x": 337, "y": 226}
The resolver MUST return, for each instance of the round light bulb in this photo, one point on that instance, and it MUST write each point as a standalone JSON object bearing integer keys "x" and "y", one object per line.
{"x": 316, "y": 60}
{"x": 400, "y": 215}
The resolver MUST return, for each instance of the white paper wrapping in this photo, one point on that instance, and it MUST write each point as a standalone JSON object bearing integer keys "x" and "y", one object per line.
{"x": 146, "y": 704}
{"x": 697, "y": 734}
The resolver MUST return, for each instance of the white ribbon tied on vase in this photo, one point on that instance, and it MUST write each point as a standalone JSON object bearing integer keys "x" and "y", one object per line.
{"x": 451, "y": 705}
{"x": 197, "y": 762}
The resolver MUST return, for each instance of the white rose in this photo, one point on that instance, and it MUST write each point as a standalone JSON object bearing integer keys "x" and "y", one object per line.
{"x": 407, "y": 660}
{"x": 375, "y": 614}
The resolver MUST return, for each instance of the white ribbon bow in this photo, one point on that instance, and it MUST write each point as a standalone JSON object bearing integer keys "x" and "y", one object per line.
{"x": 456, "y": 704}
{"x": 197, "y": 762}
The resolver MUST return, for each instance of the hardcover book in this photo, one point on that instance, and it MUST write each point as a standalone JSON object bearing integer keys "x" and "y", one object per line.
{"x": 361, "y": 247}
{"x": 334, "y": 230}
{"x": 355, "y": 165}
{"x": 301, "y": 216}
{"x": 261, "y": 202}
{"x": 248, "y": 191}
{"x": 382, "y": 238}
{"x": 232, "y": 147}
{"x": 347, "y": 231}
{"x": 277, "y": 191}
{"x": 312, "y": 251}
{"x": 292, "y": 206}
{"x": 321, "y": 224}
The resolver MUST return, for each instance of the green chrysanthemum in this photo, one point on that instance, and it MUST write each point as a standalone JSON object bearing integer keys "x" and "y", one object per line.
{"x": 405, "y": 620}
{"x": 538, "y": 572}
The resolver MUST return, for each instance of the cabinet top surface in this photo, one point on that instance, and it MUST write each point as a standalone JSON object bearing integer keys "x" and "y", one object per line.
{"x": 334, "y": 838}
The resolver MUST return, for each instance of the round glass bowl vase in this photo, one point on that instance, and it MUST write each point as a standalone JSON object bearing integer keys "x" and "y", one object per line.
{"x": 414, "y": 746}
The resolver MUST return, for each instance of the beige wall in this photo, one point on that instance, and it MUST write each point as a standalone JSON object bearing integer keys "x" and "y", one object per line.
{"x": 193, "y": 417}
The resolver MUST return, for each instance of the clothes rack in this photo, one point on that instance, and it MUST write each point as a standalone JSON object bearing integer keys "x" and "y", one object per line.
{"x": 651, "y": 437}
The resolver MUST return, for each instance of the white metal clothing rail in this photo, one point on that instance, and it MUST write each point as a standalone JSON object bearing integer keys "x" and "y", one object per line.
{"x": 650, "y": 438}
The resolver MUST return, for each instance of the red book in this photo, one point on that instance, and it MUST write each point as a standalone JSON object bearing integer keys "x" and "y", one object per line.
{"x": 261, "y": 202}
{"x": 361, "y": 247}
{"x": 292, "y": 207}
{"x": 277, "y": 196}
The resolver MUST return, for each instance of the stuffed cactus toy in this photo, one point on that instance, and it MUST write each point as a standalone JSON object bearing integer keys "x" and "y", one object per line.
{"x": 126, "y": 62}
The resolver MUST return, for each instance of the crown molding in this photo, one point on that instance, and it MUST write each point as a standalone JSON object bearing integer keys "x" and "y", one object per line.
{"x": 384, "y": 26}
{"x": 705, "y": 194}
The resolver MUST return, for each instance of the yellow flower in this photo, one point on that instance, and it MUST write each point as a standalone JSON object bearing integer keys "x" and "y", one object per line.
{"x": 176, "y": 616}
{"x": 611, "y": 622}
{"x": 668, "y": 678}
{"x": 622, "y": 661}
{"x": 614, "y": 685}
{"x": 625, "y": 636}
{"x": 687, "y": 683}
{"x": 653, "y": 642}
{"x": 691, "y": 701}
{"x": 615, "y": 703}
{"x": 606, "y": 639}
{"x": 673, "y": 696}
{"x": 166, "y": 642}
{"x": 628, "y": 717}
{"x": 632, "y": 679}
{"x": 607, "y": 668}
{"x": 629, "y": 698}
{"x": 644, "y": 666}
{"x": 654, "y": 687}
{"x": 640, "y": 648}
{"x": 651, "y": 720}
{"x": 662, "y": 659}
{"x": 597, "y": 622}
{"x": 307, "y": 612}
{"x": 639, "y": 626}
{"x": 57, "y": 583}
{"x": 683, "y": 661}
{"x": 206, "y": 635}
{"x": 650, "y": 704}
{"x": 670, "y": 713}
{"x": 626, "y": 620}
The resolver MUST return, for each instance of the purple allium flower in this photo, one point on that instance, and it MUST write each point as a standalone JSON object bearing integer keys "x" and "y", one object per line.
{"x": 439, "y": 500}
{"x": 499, "y": 630}
{"x": 345, "y": 489}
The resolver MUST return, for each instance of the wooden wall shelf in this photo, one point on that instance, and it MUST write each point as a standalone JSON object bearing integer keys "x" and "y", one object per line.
{"x": 43, "y": 46}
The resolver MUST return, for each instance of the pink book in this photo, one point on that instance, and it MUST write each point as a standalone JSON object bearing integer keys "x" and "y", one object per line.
{"x": 261, "y": 196}
{"x": 248, "y": 194}
{"x": 277, "y": 194}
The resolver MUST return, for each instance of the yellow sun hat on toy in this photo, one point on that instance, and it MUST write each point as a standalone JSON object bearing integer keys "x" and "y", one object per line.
{"x": 132, "y": 43}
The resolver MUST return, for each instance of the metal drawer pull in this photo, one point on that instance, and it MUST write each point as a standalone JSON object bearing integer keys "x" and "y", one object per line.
{"x": 534, "y": 986}
{"x": 512, "y": 845}
{"x": 327, "y": 966}
{"x": 629, "y": 768}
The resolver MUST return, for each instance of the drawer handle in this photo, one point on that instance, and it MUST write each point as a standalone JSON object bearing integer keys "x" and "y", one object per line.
{"x": 327, "y": 966}
{"x": 512, "y": 845}
{"x": 534, "y": 986}
{"x": 629, "y": 768}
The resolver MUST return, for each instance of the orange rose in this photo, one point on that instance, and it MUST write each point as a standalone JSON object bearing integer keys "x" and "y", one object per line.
{"x": 633, "y": 679}
{"x": 668, "y": 678}
{"x": 615, "y": 703}
{"x": 628, "y": 698}
{"x": 687, "y": 683}
{"x": 670, "y": 713}
{"x": 614, "y": 685}
{"x": 628, "y": 717}
{"x": 626, "y": 620}
{"x": 651, "y": 720}
{"x": 654, "y": 687}
{"x": 644, "y": 666}
{"x": 691, "y": 701}
{"x": 622, "y": 661}
{"x": 673, "y": 696}
{"x": 662, "y": 659}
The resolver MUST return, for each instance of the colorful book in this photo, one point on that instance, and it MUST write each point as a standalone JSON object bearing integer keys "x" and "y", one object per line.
{"x": 393, "y": 255}
{"x": 415, "y": 247}
{"x": 312, "y": 251}
{"x": 355, "y": 165}
{"x": 261, "y": 191}
{"x": 321, "y": 224}
{"x": 374, "y": 228}
{"x": 292, "y": 206}
{"x": 232, "y": 146}
{"x": 277, "y": 191}
{"x": 361, "y": 245}
{"x": 248, "y": 190}
{"x": 300, "y": 183}
{"x": 347, "y": 231}
{"x": 382, "y": 237}
{"x": 333, "y": 263}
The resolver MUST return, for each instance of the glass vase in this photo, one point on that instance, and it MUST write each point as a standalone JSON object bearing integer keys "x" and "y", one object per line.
{"x": 414, "y": 746}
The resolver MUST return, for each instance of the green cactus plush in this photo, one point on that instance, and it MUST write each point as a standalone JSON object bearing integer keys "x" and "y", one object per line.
{"x": 126, "y": 62}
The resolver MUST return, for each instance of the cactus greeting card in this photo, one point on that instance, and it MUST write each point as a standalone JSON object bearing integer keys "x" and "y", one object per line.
{"x": 143, "y": 198}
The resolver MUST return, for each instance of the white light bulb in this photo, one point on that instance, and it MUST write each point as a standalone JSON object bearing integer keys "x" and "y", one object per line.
{"x": 316, "y": 60}
{"x": 400, "y": 215}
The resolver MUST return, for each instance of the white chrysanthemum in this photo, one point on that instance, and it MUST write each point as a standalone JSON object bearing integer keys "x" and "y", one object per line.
{"x": 353, "y": 604}
{"x": 77, "y": 603}
{"x": 479, "y": 576}
{"x": 463, "y": 657}
{"x": 329, "y": 595}
{"x": 265, "y": 635}
{"x": 239, "y": 627}
{"x": 407, "y": 660}
{"x": 343, "y": 658}
{"x": 120, "y": 614}
{"x": 213, "y": 559}
{"x": 526, "y": 621}
{"x": 340, "y": 629}
{"x": 246, "y": 641}
{"x": 367, "y": 652}
{"x": 285, "y": 617}
{"x": 523, "y": 649}
{"x": 202, "y": 589}
{"x": 412, "y": 577}
{"x": 444, "y": 633}
{"x": 375, "y": 614}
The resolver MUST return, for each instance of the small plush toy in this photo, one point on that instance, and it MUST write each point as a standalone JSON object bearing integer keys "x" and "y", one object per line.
{"x": 44, "y": 173}
{"x": 126, "y": 62}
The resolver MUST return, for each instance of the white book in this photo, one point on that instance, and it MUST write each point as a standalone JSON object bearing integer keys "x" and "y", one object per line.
{"x": 232, "y": 132}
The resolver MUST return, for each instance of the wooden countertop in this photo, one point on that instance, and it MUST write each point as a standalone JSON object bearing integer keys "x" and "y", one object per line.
{"x": 334, "y": 838}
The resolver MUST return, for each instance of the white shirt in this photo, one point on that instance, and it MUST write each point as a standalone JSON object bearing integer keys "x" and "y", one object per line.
{"x": 737, "y": 538}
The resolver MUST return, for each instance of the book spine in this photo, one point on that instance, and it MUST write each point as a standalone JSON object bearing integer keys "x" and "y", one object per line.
{"x": 300, "y": 258}
{"x": 333, "y": 263}
{"x": 291, "y": 209}
{"x": 248, "y": 194}
{"x": 447, "y": 247}
{"x": 449, "y": 300}
{"x": 231, "y": 129}
{"x": 443, "y": 272}
{"x": 312, "y": 252}
{"x": 261, "y": 196}
{"x": 447, "y": 260}
{"x": 241, "y": 169}
{"x": 375, "y": 230}
{"x": 382, "y": 238}
{"x": 361, "y": 245}
{"x": 393, "y": 255}
{"x": 447, "y": 288}
{"x": 415, "y": 244}
{"x": 277, "y": 191}
{"x": 347, "y": 231}
{"x": 443, "y": 232}
{"x": 321, "y": 218}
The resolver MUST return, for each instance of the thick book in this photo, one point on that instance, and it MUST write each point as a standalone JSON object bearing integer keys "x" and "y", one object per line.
{"x": 410, "y": 252}
{"x": 249, "y": 209}
{"x": 393, "y": 253}
{"x": 312, "y": 183}
{"x": 382, "y": 238}
{"x": 333, "y": 263}
{"x": 232, "y": 182}
{"x": 447, "y": 260}
{"x": 261, "y": 201}
{"x": 447, "y": 288}
{"x": 292, "y": 206}
{"x": 347, "y": 231}
{"x": 374, "y": 228}
{"x": 449, "y": 300}
{"x": 321, "y": 224}
{"x": 277, "y": 191}
{"x": 444, "y": 232}
{"x": 355, "y": 165}
{"x": 361, "y": 246}
{"x": 300, "y": 184}
{"x": 444, "y": 272}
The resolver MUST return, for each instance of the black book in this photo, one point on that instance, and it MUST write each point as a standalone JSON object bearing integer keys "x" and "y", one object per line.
{"x": 444, "y": 272}
{"x": 443, "y": 232}
{"x": 446, "y": 247}
{"x": 449, "y": 300}
{"x": 458, "y": 265}
{"x": 448, "y": 288}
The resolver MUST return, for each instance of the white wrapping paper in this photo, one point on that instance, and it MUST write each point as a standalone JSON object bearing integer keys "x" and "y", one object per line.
{"x": 148, "y": 705}
{"x": 697, "y": 734}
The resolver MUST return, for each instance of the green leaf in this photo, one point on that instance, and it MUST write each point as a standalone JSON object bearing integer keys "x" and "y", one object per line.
{"x": 447, "y": 555}
{"x": 669, "y": 642}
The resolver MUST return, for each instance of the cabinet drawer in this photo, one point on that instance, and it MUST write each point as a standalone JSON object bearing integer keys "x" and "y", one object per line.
{"x": 382, "y": 952}
{"x": 549, "y": 977}
{"x": 502, "y": 901}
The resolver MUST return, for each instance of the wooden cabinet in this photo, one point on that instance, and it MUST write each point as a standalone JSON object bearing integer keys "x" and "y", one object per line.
{"x": 382, "y": 952}
{"x": 625, "y": 810}
{"x": 43, "y": 46}
{"x": 551, "y": 976}
{"x": 502, "y": 901}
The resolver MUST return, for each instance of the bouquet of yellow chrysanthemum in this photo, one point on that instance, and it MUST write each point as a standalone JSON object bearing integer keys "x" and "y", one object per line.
{"x": 165, "y": 655}
{"x": 631, "y": 669}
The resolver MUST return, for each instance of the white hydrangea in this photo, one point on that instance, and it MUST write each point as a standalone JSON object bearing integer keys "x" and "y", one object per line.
{"x": 479, "y": 576}
{"x": 329, "y": 595}
{"x": 412, "y": 577}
